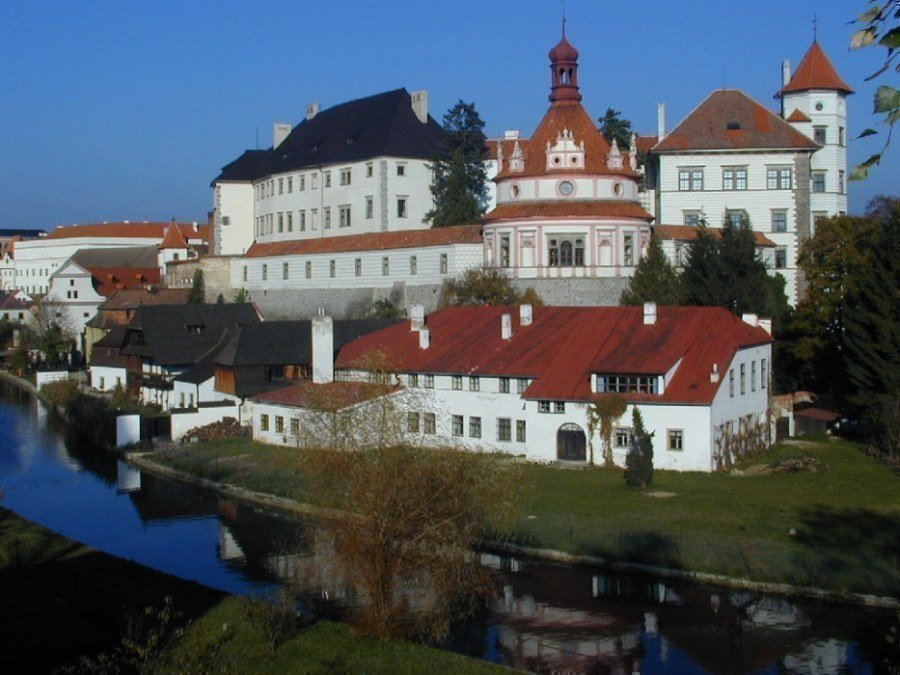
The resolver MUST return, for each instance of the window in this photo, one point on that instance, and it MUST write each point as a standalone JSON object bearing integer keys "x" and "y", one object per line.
{"x": 520, "y": 431}
{"x": 731, "y": 382}
{"x": 279, "y": 424}
{"x": 627, "y": 384}
{"x": 505, "y": 259}
{"x": 841, "y": 182}
{"x": 344, "y": 216}
{"x": 401, "y": 207}
{"x": 779, "y": 221}
{"x": 295, "y": 426}
{"x": 430, "y": 425}
{"x": 301, "y": 183}
{"x": 778, "y": 179}
{"x": 753, "y": 376}
{"x": 690, "y": 180}
{"x": 676, "y": 439}
{"x": 840, "y": 135}
{"x": 290, "y": 221}
{"x": 443, "y": 263}
{"x": 456, "y": 381}
{"x": 357, "y": 266}
{"x": 401, "y": 169}
{"x": 743, "y": 378}
{"x": 290, "y": 184}
{"x": 327, "y": 179}
{"x": 281, "y": 186}
{"x": 543, "y": 406}
{"x": 521, "y": 384}
{"x": 314, "y": 216}
{"x": 280, "y": 221}
{"x": 734, "y": 178}
{"x": 345, "y": 176}
{"x": 566, "y": 252}
{"x": 474, "y": 383}
{"x": 302, "y": 220}
{"x": 736, "y": 218}
{"x": 818, "y": 181}
{"x": 263, "y": 422}
{"x": 332, "y": 268}
{"x": 285, "y": 271}
{"x": 819, "y": 135}
{"x": 314, "y": 181}
{"x": 369, "y": 170}
{"x": 504, "y": 429}
{"x": 429, "y": 381}
{"x": 456, "y": 425}
{"x": 691, "y": 218}
{"x": 628, "y": 250}
{"x": 504, "y": 385}
{"x": 763, "y": 382}
{"x": 385, "y": 266}
{"x": 475, "y": 427}
{"x": 559, "y": 407}
{"x": 412, "y": 422}
{"x": 326, "y": 218}
{"x": 370, "y": 208}
{"x": 780, "y": 258}
{"x": 622, "y": 437}
{"x": 265, "y": 272}
{"x": 413, "y": 380}
{"x": 413, "y": 265}
{"x": 309, "y": 269}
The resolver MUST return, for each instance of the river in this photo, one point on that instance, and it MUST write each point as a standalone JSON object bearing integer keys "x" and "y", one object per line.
{"x": 546, "y": 617}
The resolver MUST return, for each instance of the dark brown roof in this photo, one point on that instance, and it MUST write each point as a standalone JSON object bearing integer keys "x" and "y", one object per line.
{"x": 138, "y": 230}
{"x": 329, "y": 396}
{"x": 728, "y": 119}
{"x": 134, "y": 298}
{"x": 376, "y": 241}
{"x": 563, "y": 208}
{"x": 815, "y": 72}
{"x": 689, "y": 233}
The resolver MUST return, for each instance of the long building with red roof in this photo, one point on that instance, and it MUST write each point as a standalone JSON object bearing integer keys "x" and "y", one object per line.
{"x": 520, "y": 380}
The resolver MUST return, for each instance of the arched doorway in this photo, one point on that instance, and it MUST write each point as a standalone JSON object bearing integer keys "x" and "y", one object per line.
{"x": 571, "y": 444}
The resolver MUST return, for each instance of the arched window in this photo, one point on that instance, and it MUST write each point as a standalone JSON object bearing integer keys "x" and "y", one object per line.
{"x": 566, "y": 252}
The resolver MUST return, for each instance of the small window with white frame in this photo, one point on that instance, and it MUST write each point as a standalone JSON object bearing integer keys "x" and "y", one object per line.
{"x": 474, "y": 427}
{"x": 503, "y": 385}
{"x": 428, "y": 381}
{"x": 474, "y": 383}
{"x": 401, "y": 207}
{"x": 401, "y": 168}
{"x": 345, "y": 176}
{"x": 457, "y": 382}
{"x": 412, "y": 422}
{"x": 622, "y": 437}
{"x": 430, "y": 423}
{"x": 521, "y": 385}
{"x": 456, "y": 425}
{"x": 675, "y": 440}
{"x": 779, "y": 221}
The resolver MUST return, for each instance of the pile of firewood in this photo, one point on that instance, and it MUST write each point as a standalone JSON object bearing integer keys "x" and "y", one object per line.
{"x": 229, "y": 427}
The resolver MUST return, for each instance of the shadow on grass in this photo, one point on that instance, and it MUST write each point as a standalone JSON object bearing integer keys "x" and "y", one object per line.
{"x": 850, "y": 549}
{"x": 646, "y": 547}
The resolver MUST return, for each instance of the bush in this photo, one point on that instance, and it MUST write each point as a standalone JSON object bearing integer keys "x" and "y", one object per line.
{"x": 639, "y": 462}
{"x": 59, "y": 393}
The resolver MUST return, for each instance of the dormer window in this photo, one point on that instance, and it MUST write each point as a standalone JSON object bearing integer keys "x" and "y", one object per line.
{"x": 565, "y": 153}
{"x": 194, "y": 328}
{"x": 627, "y": 384}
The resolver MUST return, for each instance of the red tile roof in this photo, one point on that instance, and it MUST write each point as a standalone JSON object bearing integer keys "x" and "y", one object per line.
{"x": 565, "y": 345}
{"x": 728, "y": 119}
{"x": 125, "y": 230}
{"x": 330, "y": 396}
{"x": 572, "y": 116}
{"x": 108, "y": 280}
{"x": 564, "y": 208}
{"x": 174, "y": 239}
{"x": 689, "y": 233}
{"x": 798, "y": 116}
{"x": 815, "y": 72}
{"x": 376, "y": 241}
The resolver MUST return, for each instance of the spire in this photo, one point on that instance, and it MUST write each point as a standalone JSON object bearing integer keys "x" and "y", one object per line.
{"x": 564, "y": 70}
{"x": 815, "y": 72}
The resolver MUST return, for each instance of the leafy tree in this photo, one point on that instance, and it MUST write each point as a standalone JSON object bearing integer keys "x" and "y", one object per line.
{"x": 490, "y": 286}
{"x": 386, "y": 309}
{"x": 639, "y": 461}
{"x": 241, "y": 296}
{"x": 879, "y": 28}
{"x": 602, "y": 412}
{"x": 459, "y": 179}
{"x": 654, "y": 280}
{"x": 198, "y": 289}
{"x": 871, "y": 335}
{"x": 614, "y": 126}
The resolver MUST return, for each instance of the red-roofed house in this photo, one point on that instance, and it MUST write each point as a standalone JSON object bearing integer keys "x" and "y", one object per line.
{"x": 732, "y": 158}
{"x": 518, "y": 380}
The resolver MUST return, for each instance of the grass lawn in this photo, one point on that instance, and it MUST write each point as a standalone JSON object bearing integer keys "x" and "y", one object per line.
{"x": 838, "y": 528}
{"x": 225, "y": 641}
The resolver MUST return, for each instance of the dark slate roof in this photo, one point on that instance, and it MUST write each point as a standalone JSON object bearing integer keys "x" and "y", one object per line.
{"x": 127, "y": 256}
{"x": 167, "y": 333}
{"x": 21, "y": 232}
{"x": 379, "y": 125}
{"x": 275, "y": 343}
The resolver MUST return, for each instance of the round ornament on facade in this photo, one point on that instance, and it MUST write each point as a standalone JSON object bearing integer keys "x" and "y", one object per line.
{"x": 618, "y": 189}
{"x": 566, "y": 188}
{"x": 819, "y": 106}
{"x": 514, "y": 191}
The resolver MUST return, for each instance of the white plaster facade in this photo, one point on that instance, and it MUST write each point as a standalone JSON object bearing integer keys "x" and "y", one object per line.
{"x": 107, "y": 378}
{"x": 72, "y": 298}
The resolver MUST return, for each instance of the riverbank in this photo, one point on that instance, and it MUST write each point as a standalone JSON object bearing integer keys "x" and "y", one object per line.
{"x": 830, "y": 532}
{"x": 61, "y": 601}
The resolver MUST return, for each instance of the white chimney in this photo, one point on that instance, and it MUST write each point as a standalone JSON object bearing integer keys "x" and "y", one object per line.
{"x": 661, "y": 120}
{"x": 714, "y": 373}
{"x": 322, "y": 349}
{"x": 416, "y": 317}
{"x": 750, "y": 319}
{"x": 785, "y": 72}
{"x": 525, "y": 315}
{"x": 312, "y": 110}
{"x": 766, "y": 325}
{"x": 649, "y": 313}
{"x": 506, "y": 326}
{"x": 424, "y": 338}
{"x": 511, "y": 135}
{"x": 420, "y": 104}
{"x": 280, "y": 131}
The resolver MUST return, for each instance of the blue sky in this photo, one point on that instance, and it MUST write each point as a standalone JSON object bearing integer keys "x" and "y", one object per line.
{"x": 127, "y": 110}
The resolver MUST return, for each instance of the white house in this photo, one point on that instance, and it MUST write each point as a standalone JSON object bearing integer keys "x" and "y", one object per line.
{"x": 358, "y": 167}
{"x": 519, "y": 381}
